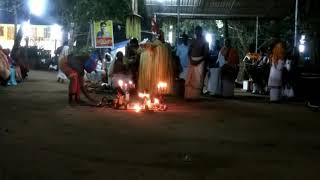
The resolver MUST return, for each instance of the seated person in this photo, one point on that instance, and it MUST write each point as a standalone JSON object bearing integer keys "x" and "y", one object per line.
{"x": 97, "y": 74}
{"x": 119, "y": 71}
{"x": 4, "y": 68}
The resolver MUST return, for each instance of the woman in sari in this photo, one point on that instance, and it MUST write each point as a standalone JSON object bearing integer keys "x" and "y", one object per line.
{"x": 64, "y": 52}
{"x": 275, "y": 77}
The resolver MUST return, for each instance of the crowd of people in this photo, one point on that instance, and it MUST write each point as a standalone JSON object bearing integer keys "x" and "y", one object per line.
{"x": 204, "y": 70}
{"x": 11, "y": 70}
{"x": 273, "y": 72}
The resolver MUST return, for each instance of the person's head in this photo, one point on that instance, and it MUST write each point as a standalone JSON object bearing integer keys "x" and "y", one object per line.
{"x": 119, "y": 56}
{"x": 184, "y": 39}
{"x": 278, "y": 52}
{"x": 134, "y": 42}
{"x": 103, "y": 26}
{"x": 108, "y": 57}
{"x": 198, "y": 31}
{"x": 227, "y": 43}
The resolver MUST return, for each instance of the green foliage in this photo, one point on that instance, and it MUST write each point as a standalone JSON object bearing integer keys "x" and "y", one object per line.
{"x": 83, "y": 51}
{"x": 82, "y": 11}
{"x": 133, "y": 27}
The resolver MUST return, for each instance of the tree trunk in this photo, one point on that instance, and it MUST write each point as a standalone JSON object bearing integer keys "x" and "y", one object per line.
{"x": 17, "y": 35}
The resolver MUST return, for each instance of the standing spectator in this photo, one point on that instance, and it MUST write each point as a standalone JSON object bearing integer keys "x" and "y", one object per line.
{"x": 182, "y": 53}
{"x": 214, "y": 82}
{"x": 229, "y": 69}
{"x": 12, "y": 81}
{"x": 275, "y": 76}
{"x": 64, "y": 52}
{"x": 198, "y": 53}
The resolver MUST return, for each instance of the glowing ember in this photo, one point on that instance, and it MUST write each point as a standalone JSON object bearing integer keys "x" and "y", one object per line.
{"x": 162, "y": 85}
{"x": 137, "y": 107}
{"x": 120, "y": 83}
{"x": 156, "y": 101}
{"x": 144, "y": 95}
{"x": 149, "y": 104}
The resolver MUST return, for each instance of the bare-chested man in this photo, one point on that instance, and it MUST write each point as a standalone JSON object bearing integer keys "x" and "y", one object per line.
{"x": 198, "y": 53}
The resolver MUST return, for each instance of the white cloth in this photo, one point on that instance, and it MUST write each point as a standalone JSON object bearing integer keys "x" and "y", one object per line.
{"x": 97, "y": 74}
{"x": 183, "y": 74}
{"x": 214, "y": 83}
{"x": 194, "y": 80}
{"x": 275, "y": 94}
{"x": 221, "y": 60}
{"x": 275, "y": 77}
{"x": 182, "y": 53}
{"x": 64, "y": 52}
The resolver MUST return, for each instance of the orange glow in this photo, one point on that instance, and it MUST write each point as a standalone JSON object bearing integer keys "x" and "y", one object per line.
{"x": 162, "y": 85}
{"x": 149, "y": 104}
{"x": 156, "y": 101}
{"x": 120, "y": 83}
{"x": 144, "y": 95}
{"x": 137, "y": 108}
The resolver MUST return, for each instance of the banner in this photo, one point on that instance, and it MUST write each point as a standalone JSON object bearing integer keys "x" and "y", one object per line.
{"x": 103, "y": 34}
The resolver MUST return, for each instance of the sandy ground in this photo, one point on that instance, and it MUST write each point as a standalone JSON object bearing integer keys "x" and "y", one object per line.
{"x": 43, "y": 138}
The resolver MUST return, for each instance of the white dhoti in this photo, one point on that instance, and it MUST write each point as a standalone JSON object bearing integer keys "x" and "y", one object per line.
{"x": 275, "y": 94}
{"x": 214, "y": 83}
{"x": 183, "y": 74}
{"x": 275, "y": 81}
{"x": 194, "y": 79}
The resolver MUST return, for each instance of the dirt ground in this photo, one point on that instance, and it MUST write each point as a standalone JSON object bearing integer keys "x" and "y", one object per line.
{"x": 43, "y": 138}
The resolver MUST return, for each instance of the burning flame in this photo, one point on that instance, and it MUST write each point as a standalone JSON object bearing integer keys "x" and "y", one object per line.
{"x": 162, "y": 85}
{"x": 137, "y": 107}
{"x": 144, "y": 95}
{"x": 156, "y": 101}
{"x": 149, "y": 104}
{"x": 120, "y": 83}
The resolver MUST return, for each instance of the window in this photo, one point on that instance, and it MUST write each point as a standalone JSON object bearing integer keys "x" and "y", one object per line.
{"x": 10, "y": 34}
{"x": 47, "y": 32}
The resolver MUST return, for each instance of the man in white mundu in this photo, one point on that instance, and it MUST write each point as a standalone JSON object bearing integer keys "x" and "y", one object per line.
{"x": 198, "y": 53}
